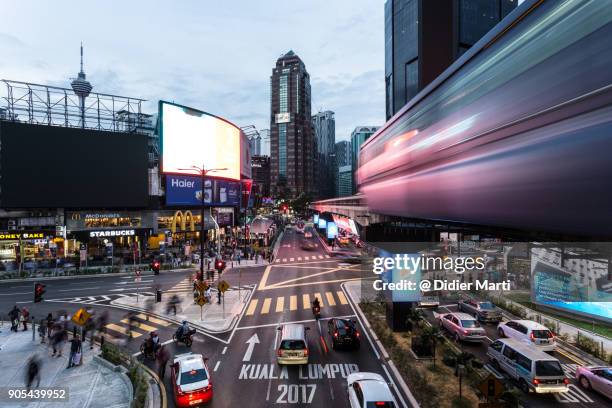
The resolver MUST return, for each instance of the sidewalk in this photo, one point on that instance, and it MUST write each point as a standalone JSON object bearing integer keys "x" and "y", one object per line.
{"x": 214, "y": 318}
{"x": 246, "y": 263}
{"x": 89, "y": 385}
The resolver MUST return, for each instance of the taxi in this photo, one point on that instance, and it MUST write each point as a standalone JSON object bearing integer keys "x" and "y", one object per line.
{"x": 191, "y": 380}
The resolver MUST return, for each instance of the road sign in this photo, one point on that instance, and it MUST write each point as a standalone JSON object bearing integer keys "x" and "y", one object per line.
{"x": 491, "y": 387}
{"x": 201, "y": 300}
{"x": 80, "y": 317}
{"x": 223, "y": 286}
{"x": 201, "y": 286}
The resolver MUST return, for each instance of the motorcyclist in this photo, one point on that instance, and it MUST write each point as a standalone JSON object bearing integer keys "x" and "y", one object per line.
{"x": 155, "y": 343}
{"x": 316, "y": 306}
{"x": 183, "y": 330}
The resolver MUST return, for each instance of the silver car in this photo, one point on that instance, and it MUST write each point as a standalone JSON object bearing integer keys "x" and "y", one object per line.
{"x": 483, "y": 311}
{"x": 462, "y": 327}
{"x": 596, "y": 378}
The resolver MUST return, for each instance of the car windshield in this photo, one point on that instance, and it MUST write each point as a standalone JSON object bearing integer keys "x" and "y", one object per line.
{"x": 487, "y": 306}
{"x": 469, "y": 323}
{"x": 193, "y": 376}
{"x": 548, "y": 368}
{"x": 541, "y": 334}
{"x": 380, "y": 404}
{"x": 292, "y": 345}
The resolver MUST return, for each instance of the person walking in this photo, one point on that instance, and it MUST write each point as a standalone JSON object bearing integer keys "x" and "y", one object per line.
{"x": 50, "y": 323}
{"x": 162, "y": 358}
{"x": 14, "y": 316}
{"x": 42, "y": 330}
{"x": 59, "y": 335}
{"x": 33, "y": 372}
{"x": 75, "y": 352}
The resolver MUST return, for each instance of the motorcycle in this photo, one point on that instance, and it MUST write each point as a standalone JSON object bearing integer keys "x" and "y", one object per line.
{"x": 147, "y": 350}
{"x": 316, "y": 311}
{"x": 184, "y": 338}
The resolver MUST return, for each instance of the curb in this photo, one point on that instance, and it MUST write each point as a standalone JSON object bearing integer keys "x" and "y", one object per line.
{"x": 155, "y": 402}
{"x": 93, "y": 275}
{"x": 385, "y": 354}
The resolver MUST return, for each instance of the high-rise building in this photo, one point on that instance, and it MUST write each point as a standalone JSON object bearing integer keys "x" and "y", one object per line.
{"x": 359, "y": 135}
{"x": 255, "y": 143}
{"x": 345, "y": 181}
{"x": 260, "y": 172}
{"x": 324, "y": 125}
{"x": 292, "y": 153}
{"x": 424, "y": 37}
{"x": 343, "y": 153}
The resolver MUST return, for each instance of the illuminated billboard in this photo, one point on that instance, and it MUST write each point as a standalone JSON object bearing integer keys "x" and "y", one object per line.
{"x": 187, "y": 191}
{"x": 194, "y": 138}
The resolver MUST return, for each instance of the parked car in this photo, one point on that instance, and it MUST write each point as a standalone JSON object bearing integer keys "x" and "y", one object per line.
{"x": 191, "y": 380}
{"x": 366, "y": 390}
{"x": 343, "y": 332}
{"x": 531, "y": 368}
{"x": 483, "y": 311}
{"x": 597, "y": 378}
{"x": 462, "y": 326}
{"x": 529, "y": 332}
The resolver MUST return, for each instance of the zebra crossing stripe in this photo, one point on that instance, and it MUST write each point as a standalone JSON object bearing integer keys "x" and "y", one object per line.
{"x": 327, "y": 256}
{"x": 278, "y": 260}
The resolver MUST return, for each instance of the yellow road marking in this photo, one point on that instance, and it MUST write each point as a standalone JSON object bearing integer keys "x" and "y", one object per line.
{"x": 330, "y": 298}
{"x": 252, "y": 306}
{"x": 264, "y": 278}
{"x": 280, "y": 304}
{"x": 309, "y": 276}
{"x": 318, "y": 296}
{"x": 265, "y": 309}
{"x": 306, "y": 301}
{"x": 342, "y": 298}
{"x": 122, "y": 330}
{"x": 153, "y": 320}
{"x": 293, "y": 302}
{"x": 571, "y": 357}
{"x": 141, "y": 325}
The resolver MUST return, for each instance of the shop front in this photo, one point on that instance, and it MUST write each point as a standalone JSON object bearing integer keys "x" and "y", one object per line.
{"x": 30, "y": 249}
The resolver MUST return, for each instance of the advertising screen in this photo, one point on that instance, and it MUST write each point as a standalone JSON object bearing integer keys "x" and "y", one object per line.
{"x": 193, "y": 138}
{"x": 187, "y": 191}
{"x": 315, "y": 219}
{"x": 332, "y": 230}
{"x": 322, "y": 223}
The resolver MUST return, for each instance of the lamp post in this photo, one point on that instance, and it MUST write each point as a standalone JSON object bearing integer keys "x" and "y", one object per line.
{"x": 202, "y": 171}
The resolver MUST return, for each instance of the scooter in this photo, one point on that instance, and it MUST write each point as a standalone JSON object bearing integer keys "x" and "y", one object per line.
{"x": 185, "y": 338}
{"x": 316, "y": 310}
{"x": 147, "y": 350}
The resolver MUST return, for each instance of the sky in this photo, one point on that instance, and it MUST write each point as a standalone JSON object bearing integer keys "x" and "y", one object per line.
{"x": 216, "y": 56}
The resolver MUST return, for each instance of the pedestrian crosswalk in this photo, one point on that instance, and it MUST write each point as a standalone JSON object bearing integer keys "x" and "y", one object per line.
{"x": 143, "y": 324}
{"x": 279, "y": 304}
{"x": 300, "y": 258}
{"x": 186, "y": 286}
{"x": 98, "y": 299}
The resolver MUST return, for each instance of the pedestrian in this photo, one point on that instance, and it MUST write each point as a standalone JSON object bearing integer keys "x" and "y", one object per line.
{"x": 42, "y": 330}
{"x": 218, "y": 296}
{"x": 14, "y": 316}
{"x": 50, "y": 323}
{"x": 89, "y": 327}
{"x": 59, "y": 336}
{"x": 162, "y": 359}
{"x": 33, "y": 372}
{"x": 208, "y": 295}
{"x": 25, "y": 316}
{"x": 75, "y": 352}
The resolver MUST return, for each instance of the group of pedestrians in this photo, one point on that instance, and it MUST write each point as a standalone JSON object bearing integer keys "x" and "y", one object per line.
{"x": 19, "y": 317}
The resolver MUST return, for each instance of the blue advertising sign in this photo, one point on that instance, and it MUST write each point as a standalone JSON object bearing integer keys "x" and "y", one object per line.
{"x": 322, "y": 223}
{"x": 187, "y": 191}
{"x": 315, "y": 219}
{"x": 332, "y": 230}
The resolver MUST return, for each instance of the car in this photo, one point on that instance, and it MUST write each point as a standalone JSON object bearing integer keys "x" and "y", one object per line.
{"x": 431, "y": 300}
{"x": 348, "y": 258}
{"x": 343, "y": 333}
{"x": 191, "y": 380}
{"x": 307, "y": 234}
{"x": 367, "y": 390}
{"x": 462, "y": 326}
{"x": 528, "y": 332}
{"x": 293, "y": 346}
{"x": 483, "y": 311}
{"x": 307, "y": 246}
{"x": 597, "y": 378}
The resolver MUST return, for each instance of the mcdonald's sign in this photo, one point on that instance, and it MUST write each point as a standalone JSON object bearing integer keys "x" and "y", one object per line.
{"x": 182, "y": 219}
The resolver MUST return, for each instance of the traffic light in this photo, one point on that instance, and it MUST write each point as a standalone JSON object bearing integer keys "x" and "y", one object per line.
{"x": 155, "y": 265}
{"x": 220, "y": 265}
{"x": 39, "y": 291}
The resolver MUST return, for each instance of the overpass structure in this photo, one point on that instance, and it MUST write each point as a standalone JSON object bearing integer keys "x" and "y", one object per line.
{"x": 354, "y": 207}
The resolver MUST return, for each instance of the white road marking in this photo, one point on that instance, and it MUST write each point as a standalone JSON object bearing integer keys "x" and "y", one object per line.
{"x": 217, "y": 365}
{"x": 284, "y": 259}
{"x": 299, "y": 258}
{"x": 72, "y": 290}
{"x": 399, "y": 395}
{"x": 23, "y": 293}
{"x": 294, "y": 322}
{"x": 291, "y": 259}
{"x": 224, "y": 350}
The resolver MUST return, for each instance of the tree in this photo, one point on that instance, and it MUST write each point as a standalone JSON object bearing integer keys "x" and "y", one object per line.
{"x": 415, "y": 316}
{"x": 300, "y": 203}
{"x": 431, "y": 335}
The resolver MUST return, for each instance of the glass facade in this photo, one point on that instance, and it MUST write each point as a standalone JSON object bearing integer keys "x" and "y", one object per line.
{"x": 412, "y": 79}
{"x": 476, "y": 18}
{"x": 282, "y": 149}
{"x": 405, "y": 45}
{"x": 283, "y": 92}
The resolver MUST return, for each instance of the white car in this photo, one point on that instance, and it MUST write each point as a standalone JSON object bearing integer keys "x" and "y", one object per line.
{"x": 529, "y": 332}
{"x": 191, "y": 380}
{"x": 367, "y": 390}
{"x": 462, "y": 327}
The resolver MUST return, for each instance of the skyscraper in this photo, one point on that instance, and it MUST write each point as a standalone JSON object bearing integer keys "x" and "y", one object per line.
{"x": 343, "y": 153}
{"x": 291, "y": 137}
{"x": 424, "y": 37}
{"x": 324, "y": 125}
{"x": 358, "y": 136}
{"x": 345, "y": 181}
{"x": 255, "y": 143}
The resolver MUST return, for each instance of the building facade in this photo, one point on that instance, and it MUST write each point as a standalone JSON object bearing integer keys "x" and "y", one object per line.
{"x": 255, "y": 143}
{"x": 424, "y": 37}
{"x": 292, "y": 154}
{"x": 324, "y": 125}
{"x": 345, "y": 181}
{"x": 260, "y": 171}
{"x": 343, "y": 153}
{"x": 359, "y": 135}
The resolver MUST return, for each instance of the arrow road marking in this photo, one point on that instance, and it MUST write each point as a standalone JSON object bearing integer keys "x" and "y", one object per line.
{"x": 251, "y": 342}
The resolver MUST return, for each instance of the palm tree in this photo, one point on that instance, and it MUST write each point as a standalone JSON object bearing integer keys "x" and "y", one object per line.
{"x": 415, "y": 316}
{"x": 431, "y": 335}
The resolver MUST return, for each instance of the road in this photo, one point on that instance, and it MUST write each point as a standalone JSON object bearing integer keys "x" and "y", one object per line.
{"x": 576, "y": 397}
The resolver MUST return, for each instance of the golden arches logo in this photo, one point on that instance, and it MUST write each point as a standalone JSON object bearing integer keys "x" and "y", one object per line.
{"x": 182, "y": 220}
{"x": 75, "y": 216}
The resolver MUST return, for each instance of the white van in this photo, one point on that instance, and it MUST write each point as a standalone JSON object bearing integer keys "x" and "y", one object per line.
{"x": 529, "y": 332}
{"x": 293, "y": 346}
{"x": 531, "y": 368}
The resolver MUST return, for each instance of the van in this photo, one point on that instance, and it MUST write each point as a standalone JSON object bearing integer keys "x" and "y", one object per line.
{"x": 293, "y": 346}
{"x": 529, "y": 332}
{"x": 531, "y": 368}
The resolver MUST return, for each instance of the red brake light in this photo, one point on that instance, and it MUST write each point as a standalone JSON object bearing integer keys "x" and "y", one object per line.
{"x": 279, "y": 353}
{"x": 305, "y": 352}
{"x": 536, "y": 381}
{"x": 357, "y": 334}
{"x": 532, "y": 336}
{"x": 380, "y": 404}
{"x": 336, "y": 334}
{"x": 566, "y": 381}
{"x": 465, "y": 332}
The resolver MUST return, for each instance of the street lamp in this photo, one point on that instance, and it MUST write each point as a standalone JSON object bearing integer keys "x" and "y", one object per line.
{"x": 202, "y": 171}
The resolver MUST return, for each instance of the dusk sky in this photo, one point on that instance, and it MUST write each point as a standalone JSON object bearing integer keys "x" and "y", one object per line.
{"x": 214, "y": 56}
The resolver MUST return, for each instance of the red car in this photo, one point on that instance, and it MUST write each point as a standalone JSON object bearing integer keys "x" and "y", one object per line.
{"x": 191, "y": 380}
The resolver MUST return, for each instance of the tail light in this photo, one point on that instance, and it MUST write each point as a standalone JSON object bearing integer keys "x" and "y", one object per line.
{"x": 305, "y": 352}
{"x": 465, "y": 332}
{"x": 336, "y": 334}
{"x": 535, "y": 381}
{"x": 279, "y": 353}
{"x": 532, "y": 337}
{"x": 179, "y": 390}
{"x": 566, "y": 381}
{"x": 357, "y": 334}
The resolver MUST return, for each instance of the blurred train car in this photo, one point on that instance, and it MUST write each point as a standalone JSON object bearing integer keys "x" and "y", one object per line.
{"x": 517, "y": 133}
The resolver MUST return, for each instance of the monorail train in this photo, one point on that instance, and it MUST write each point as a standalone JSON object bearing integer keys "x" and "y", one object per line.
{"x": 517, "y": 133}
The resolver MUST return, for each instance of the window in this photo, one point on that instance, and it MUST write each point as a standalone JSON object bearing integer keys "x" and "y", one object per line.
{"x": 521, "y": 328}
{"x": 509, "y": 352}
{"x": 548, "y": 368}
{"x": 497, "y": 346}
{"x": 292, "y": 345}
{"x": 189, "y": 377}
{"x": 412, "y": 79}
{"x": 282, "y": 149}
{"x": 283, "y": 94}
{"x": 487, "y": 306}
{"x": 523, "y": 362}
{"x": 470, "y": 323}
{"x": 358, "y": 393}
{"x": 541, "y": 334}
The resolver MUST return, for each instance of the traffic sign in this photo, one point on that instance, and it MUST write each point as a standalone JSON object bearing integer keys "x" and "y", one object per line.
{"x": 223, "y": 286}
{"x": 201, "y": 300}
{"x": 80, "y": 317}
{"x": 201, "y": 286}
